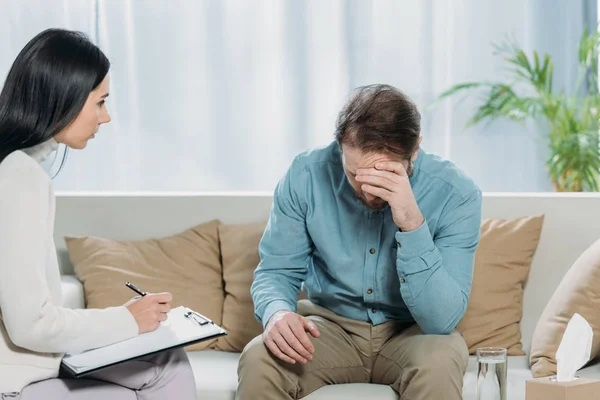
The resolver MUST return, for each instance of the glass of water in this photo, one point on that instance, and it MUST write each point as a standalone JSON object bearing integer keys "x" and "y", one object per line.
{"x": 491, "y": 376}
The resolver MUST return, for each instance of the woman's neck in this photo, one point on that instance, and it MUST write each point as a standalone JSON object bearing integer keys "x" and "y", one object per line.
{"x": 41, "y": 151}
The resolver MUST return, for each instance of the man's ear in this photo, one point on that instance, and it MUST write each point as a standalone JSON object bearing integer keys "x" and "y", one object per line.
{"x": 416, "y": 152}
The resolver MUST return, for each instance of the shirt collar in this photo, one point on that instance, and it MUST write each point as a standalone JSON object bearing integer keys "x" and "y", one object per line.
{"x": 42, "y": 151}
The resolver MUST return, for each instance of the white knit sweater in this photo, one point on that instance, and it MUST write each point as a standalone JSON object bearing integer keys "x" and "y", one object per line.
{"x": 35, "y": 330}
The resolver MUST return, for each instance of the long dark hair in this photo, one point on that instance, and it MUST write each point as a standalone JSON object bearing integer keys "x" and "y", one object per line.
{"x": 47, "y": 87}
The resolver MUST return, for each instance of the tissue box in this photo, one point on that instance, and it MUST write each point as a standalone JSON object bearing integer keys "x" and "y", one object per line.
{"x": 548, "y": 389}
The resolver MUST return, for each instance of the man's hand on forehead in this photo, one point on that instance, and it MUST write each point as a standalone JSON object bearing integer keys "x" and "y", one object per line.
{"x": 389, "y": 181}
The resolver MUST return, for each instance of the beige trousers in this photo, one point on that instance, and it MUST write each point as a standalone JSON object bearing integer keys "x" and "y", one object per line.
{"x": 415, "y": 365}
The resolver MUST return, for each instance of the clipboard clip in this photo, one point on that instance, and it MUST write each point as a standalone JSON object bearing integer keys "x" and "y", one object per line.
{"x": 196, "y": 317}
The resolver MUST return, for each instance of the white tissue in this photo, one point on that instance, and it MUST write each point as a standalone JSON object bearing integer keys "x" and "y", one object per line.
{"x": 574, "y": 349}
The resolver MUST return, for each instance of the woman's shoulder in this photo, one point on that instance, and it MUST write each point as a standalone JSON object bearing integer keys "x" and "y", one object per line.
{"x": 18, "y": 168}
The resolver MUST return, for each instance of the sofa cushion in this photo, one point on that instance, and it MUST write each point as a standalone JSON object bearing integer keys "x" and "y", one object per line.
{"x": 353, "y": 391}
{"x": 239, "y": 253}
{"x": 502, "y": 263}
{"x": 578, "y": 292}
{"x": 215, "y": 373}
{"x": 186, "y": 264}
{"x": 72, "y": 292}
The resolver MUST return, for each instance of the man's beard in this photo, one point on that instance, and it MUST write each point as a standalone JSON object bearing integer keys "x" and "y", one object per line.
{"x": 379, "y": 204}
{"x": 375, "y": 204}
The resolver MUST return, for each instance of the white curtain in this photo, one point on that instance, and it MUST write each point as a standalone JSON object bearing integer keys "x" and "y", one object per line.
{"x": 220, "y": 95}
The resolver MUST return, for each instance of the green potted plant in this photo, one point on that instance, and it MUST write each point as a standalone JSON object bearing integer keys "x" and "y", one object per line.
{"x": 570, "y": 120}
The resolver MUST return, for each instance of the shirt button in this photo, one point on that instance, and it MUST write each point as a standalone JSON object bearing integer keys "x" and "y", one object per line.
{"x": 369, "y": 291}
{"x": 402, "y": 280}
{"x": 372, "y": 251}
{"x": 374, "y": 310}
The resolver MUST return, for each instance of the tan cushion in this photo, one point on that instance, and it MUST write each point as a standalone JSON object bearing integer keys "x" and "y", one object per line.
{"x": 239, "y": 254}
{"x": 187, "y": 265}
{"x": 578, "y": 292}
{"x": 502, "y": 263}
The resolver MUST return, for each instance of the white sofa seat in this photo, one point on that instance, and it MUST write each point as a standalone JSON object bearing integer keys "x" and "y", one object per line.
{"x": 215, "y": 372}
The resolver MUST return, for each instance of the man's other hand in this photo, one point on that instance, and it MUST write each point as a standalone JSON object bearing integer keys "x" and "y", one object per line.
{"x": 285, "y": 336}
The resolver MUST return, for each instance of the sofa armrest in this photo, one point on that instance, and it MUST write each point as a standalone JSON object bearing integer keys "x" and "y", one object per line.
{"x": 72, "y": 292}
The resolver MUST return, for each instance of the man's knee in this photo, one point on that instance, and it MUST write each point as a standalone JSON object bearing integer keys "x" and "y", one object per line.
{"x": 254, "y": 357}
{"x": 256, "y": 362}
{"x": 446, "y": 355}
{"x": 259, "y": 373}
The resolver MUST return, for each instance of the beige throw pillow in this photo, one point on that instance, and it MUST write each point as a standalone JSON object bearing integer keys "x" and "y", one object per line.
{"x": 239, "y": 253}
{"x": 187, "y": 265}
{"x": 578, "y": 292}
{"x": 502, "y": 263}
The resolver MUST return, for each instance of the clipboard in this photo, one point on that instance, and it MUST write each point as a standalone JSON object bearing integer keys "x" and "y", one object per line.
{"x": 183, "y": 327}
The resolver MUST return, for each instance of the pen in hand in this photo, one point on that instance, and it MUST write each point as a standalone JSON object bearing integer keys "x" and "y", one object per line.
{"x": 135, "y": 289}
{"x": 150, "y": 309}
{"x": 138, "y": 291}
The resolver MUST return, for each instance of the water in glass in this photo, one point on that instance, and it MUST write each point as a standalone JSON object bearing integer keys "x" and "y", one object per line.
{"x": 491, "y": 377}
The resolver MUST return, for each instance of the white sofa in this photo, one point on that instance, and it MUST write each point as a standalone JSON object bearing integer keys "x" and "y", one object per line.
{"x": 572, "y": 223}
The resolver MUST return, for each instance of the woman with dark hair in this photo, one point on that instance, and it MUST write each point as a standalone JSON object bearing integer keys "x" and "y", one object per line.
{"x": 55, "y": 93}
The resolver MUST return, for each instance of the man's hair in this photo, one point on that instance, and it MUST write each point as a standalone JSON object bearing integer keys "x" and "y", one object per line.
{"x": 379, "y": 118}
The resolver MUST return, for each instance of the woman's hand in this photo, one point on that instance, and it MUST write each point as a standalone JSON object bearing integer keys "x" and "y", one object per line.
{"x": 150, "y": 310}
{"x": 132, "y": 300}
